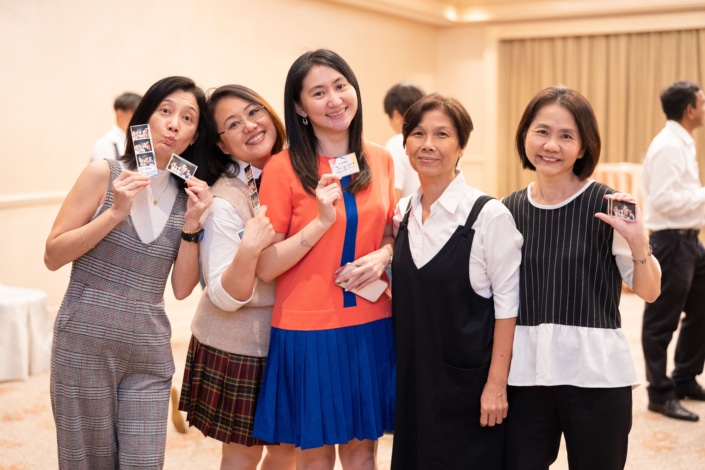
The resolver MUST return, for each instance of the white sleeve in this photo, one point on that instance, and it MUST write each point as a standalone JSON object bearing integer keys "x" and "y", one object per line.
{"x": 103, "y": 148}
{"x": 664, "y": 190}
{"x": 623, "y": 257}
{"x": 500, "y": 244}
{"x": 218, "y": 247}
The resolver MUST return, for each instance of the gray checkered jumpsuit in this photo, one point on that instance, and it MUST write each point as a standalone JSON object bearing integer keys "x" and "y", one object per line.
{"x": 112, "y": 364}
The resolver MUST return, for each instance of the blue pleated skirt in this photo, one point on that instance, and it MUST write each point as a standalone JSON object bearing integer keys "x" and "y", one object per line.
{"x": 329, "y": 386}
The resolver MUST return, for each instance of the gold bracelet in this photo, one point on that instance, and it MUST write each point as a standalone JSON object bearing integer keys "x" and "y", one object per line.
{"x": 643, "y": 260}
{"x": 303, "y": 241}
{"x": 191, "y": 232}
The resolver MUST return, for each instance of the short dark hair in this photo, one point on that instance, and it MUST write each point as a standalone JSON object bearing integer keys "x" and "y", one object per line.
{"x": 577, "y": 105}
{"x": 302, "y": 140}
{"x": 400, "y": 97}
{"x": 676, "y": 98}
{"x": 127, "y": 101}
{"x": 450, "y": 106}
{"x": 216, "y": 162}
{"x": 148, "y": 105}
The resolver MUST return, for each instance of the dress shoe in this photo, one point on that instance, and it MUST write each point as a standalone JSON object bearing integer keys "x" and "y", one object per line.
{"x": 673, "y": 409}
{"x": 691, "y": 390}
{"x": 177, "y": 418}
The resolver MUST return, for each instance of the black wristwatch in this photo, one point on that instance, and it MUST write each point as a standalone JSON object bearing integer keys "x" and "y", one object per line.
{"x": 193, "y": 237}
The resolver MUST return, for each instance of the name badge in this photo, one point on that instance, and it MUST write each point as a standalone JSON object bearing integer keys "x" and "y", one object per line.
{"x": 345, "y": 165}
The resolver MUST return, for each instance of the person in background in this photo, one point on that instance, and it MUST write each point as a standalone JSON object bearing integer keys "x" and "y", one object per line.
{"x": 396, "y": 102}
{"x": 456, "y": 296}
{"x": 674, "y": 203}
{"x": 329, "y": 377}
{"x": 230, "y": 330}
{"x": 126, "y": 234}
{"x": 572, "y": 372}
{"x": 112, "y": 143}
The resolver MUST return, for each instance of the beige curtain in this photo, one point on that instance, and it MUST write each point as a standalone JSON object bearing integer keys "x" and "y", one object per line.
{"x": 622, "y": 76}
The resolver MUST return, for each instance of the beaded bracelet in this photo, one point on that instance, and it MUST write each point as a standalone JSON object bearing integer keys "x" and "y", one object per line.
{"x": 643, "y": 260}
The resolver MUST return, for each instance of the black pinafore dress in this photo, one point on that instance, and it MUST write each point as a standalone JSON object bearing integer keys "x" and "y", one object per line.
{"x": 444, "y": 335}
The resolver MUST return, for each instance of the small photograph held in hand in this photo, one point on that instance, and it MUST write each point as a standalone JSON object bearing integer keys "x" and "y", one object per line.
{"x": 622, "y": 209}
{"x": 181, "y": 167}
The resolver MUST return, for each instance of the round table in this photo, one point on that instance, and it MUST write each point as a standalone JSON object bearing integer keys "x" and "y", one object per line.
{"x": 25, "y": 333}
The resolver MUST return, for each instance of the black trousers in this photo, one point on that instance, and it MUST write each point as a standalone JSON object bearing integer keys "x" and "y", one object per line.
{"x": 594, "y": 421}
{"x": 682, "y": 259}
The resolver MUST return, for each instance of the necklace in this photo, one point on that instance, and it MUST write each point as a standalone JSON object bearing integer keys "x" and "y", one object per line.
{"x": 155, "y": 199}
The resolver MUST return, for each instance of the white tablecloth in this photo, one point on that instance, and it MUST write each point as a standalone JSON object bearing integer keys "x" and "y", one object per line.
{"x": 25, "y": 333}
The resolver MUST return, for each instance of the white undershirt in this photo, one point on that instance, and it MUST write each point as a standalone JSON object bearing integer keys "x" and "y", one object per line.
{"x": 219, "y": 245}
{"x": 149, "y": 218}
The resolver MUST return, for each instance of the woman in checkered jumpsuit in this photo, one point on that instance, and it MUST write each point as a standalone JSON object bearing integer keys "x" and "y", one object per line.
{"x": 125, "y": 233}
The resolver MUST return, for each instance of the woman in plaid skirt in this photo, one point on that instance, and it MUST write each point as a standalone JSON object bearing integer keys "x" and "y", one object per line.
{"x": 228, "y": 348}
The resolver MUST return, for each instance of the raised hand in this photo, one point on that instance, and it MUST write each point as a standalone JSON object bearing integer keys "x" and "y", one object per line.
{"x": 199, "y": 198}
{"x": 328, "y": 193}
{"x": 125, "y": 188}
{"x": 631, "y": 230}
{"x": 259, "y": 233}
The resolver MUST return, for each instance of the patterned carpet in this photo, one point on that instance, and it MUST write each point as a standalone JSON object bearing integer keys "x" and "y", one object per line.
{"x": 27, "y": 439}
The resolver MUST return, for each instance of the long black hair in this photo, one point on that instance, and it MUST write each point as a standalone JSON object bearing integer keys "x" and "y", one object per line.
{"x": 152, "y": 98}
{"x": 302, "y": 140}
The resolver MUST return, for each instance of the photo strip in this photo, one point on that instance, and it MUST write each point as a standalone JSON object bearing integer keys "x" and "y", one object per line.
{"x": 252, "y": 186}
{"x": 144, "y": 154}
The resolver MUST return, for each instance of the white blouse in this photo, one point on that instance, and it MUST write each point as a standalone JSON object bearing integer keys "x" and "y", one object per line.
{"x": 553, "y": 354}
{"x": 495, "y": 255}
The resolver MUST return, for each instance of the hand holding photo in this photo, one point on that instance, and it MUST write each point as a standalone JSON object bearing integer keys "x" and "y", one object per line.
{"x": 181, "y": 167}
{"x": 345, "y": 165}
{"x": 622, "y": 209}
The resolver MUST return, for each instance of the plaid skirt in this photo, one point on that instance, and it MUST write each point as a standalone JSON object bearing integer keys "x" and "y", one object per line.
{"x": 219, "y": 393}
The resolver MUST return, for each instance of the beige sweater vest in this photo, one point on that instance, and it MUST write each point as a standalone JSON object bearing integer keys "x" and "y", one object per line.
{"x": 246, "y": 330}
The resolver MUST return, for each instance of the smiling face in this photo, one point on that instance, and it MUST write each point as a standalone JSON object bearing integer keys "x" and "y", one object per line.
{"x": 173, "y": 125}
{"x": 433, "y": 148}
{"x": 250, "y": 140}
{"x": 553, "y": 143}
{"x": 328, "y": 100}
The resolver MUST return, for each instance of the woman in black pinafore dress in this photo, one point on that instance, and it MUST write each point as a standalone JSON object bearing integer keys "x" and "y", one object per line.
{"x": 455, "y": 300}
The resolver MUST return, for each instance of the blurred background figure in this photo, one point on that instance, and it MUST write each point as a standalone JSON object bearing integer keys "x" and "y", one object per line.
{"x": 397, "y": 100}
{"x": 112, "y": 143}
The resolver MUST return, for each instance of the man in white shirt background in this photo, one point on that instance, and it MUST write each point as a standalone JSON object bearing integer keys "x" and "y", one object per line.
{"x": 112, "y": 143}
{"x": 397, "y": 100}
{"x": 674, "y": 203}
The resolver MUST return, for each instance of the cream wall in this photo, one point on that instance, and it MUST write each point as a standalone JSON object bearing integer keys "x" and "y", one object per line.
{"x": 64, "y": 62}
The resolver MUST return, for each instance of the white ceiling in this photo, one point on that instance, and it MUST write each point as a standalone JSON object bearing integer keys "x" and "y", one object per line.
{"x": 449, "y": 12}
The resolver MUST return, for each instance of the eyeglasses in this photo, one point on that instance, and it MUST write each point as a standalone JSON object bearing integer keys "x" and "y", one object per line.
{"x": 253, "y": 115}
